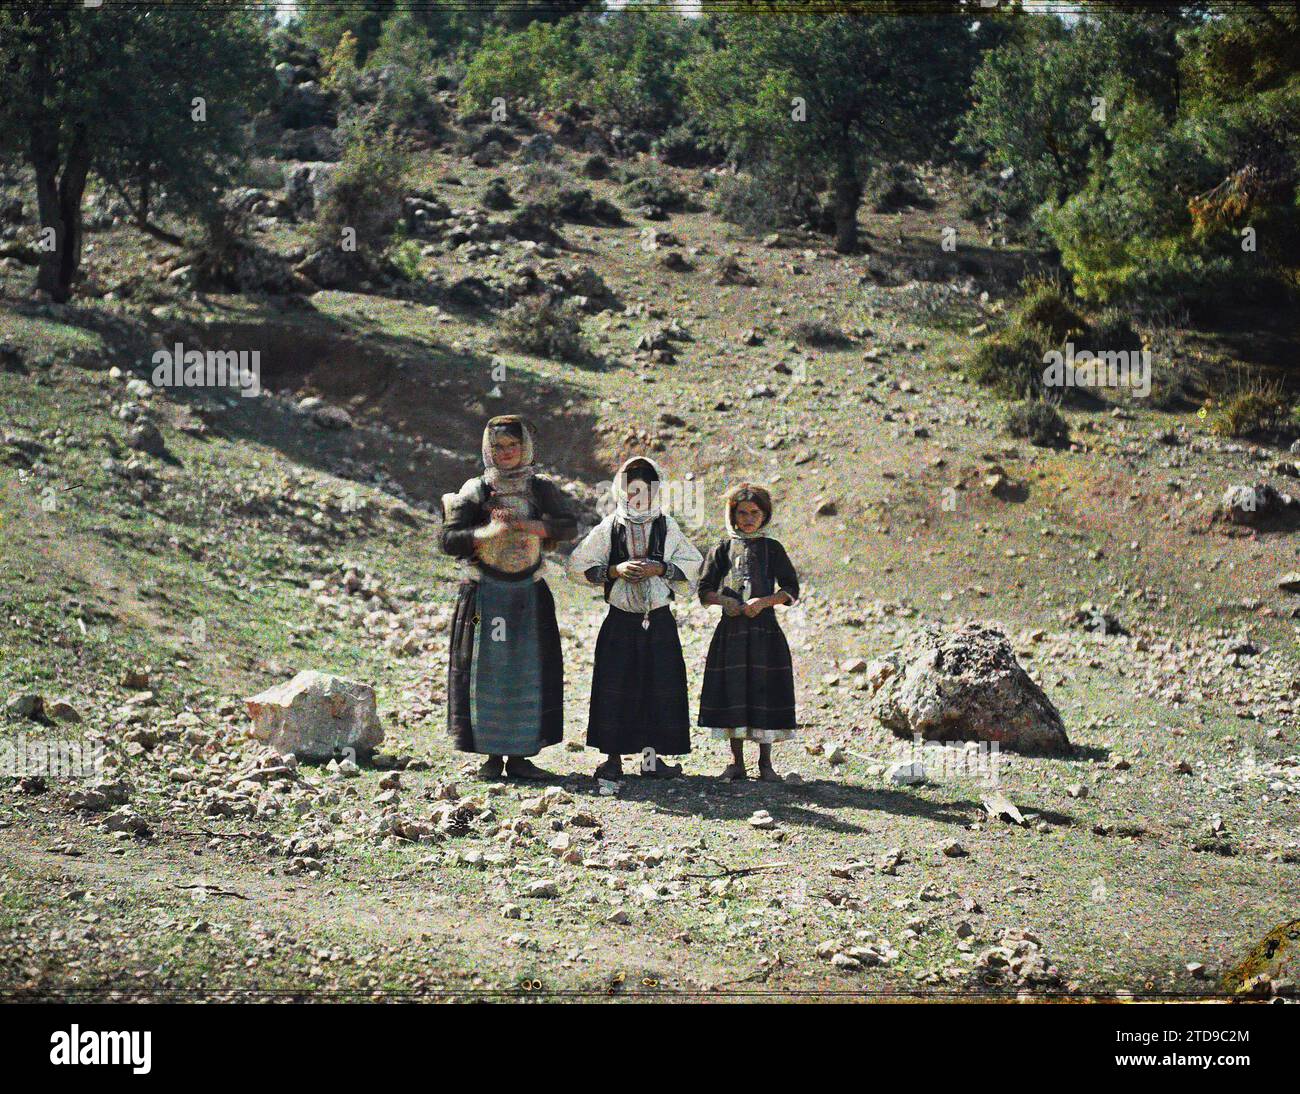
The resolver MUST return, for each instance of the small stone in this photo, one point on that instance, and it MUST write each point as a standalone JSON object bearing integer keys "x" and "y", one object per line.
{"x": 27, "y": 705}
{"x": 906, "y": 774}
{"x": 145, "y": 437}
{"x": 62, "y": 711}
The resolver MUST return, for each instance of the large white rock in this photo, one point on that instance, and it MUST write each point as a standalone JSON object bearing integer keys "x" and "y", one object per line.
{"x": 966, "y": 685}
{"x": 316, "y": 715}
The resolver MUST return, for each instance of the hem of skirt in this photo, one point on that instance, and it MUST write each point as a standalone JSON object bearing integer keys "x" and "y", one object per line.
{"x": 744, "y": 733}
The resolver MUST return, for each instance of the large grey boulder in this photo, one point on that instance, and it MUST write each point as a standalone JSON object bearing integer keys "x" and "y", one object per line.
{"x": 1254, "y": 505}
{"x": 966, "y": 685}
{"x": 307, "y": 187}
{"x": 317, "y": 716}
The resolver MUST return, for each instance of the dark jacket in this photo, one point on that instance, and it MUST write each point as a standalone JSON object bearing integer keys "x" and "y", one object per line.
{"x": 472, "y": 508}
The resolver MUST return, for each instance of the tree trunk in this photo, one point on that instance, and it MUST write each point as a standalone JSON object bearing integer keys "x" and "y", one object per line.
{"x": 139, "y": 211}
{"x": 58, "y": 201}
{"x": 45, "y": 164}
{"x": 847, "y": 197}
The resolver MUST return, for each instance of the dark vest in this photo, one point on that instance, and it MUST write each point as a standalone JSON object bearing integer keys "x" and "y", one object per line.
{"x": 618, "y": 546}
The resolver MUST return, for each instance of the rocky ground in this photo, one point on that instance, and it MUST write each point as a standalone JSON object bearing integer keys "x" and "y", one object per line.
{"x": 168, "y": 553}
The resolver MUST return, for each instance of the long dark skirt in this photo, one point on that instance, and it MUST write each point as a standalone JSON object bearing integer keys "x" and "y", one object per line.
{"x": 748, "y": 677}
{"x": 638, "y": 690}
{"x": 464, "y": 624}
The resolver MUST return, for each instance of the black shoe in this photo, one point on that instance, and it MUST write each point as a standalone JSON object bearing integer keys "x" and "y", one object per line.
{"x": 521, "y": 767}
{"x": 610, "y": 770}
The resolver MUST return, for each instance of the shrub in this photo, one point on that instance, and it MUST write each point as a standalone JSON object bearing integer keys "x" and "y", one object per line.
{"x": 1039, "y": 422}
{"x": 763, "y": 202}
{"x": 557, "y": 195}
{"x": 496, "y": 195}
{"x": 893, "y": 187}
{"x": 1112, "y": 330}
{"x": 984, "y": 199}
{"x": 1253, "y": 406}
{"x": 405, "y": 259}
{"x": 263, "y": 174}
{"x": 1044, "y": 303}
{"x": 365, "y": 191}
{"x": 650, "y": 185}
{"x": 1012, "y": 361}
{"x": 822, "y": 335}
{"x": 687, "y": 145}
{"x": 545, "y": 327}
{"x": 635, "y": 61}
{"x": 541, "y": 62}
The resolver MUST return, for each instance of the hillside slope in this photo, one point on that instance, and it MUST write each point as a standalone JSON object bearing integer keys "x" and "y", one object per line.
{"x": 261, "y": 543}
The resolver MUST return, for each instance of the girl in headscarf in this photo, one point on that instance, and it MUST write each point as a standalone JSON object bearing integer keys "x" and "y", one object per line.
{"x": 748, "y": 692}
{"x": 638, "y": 688}
{"x": 505, "y": 683}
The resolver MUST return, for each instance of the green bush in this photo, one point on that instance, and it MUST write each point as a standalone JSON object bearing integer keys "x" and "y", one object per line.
{"x": 893, "y": 187}
{"x": 648, "y": 184}
{"x": 559, "y": 196}
{"x": 496, "y": 195}
{"x": 405, "y": 259}
{"x": 635, "y": 60}
{"x": 1112, "y": 331}
{"x": 542, "y": 62}
{"x": 366, "y": 191}
{"x": 1011, "y": 362}
{"x": 1254, "y": 405}
{"x": 764, "y": 202}
{"x": 545, "y": 327}
{"x": 1039, "y": 422}
{"x": 626, "y": 66}
{"x": 264, "y": 174}
{"x": 687, "y": 145}
{"x": 1045, "y": 303}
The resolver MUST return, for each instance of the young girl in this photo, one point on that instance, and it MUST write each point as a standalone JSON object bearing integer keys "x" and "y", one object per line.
{"x": 748, "y": 692}
{"x": 505, "y": 679}
{"x": 638, "y": 689}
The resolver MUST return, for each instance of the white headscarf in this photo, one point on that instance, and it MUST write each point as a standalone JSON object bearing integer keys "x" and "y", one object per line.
{"x": 678, "y": 553}
{"x": 740, "y": 574}
{"x": 515, "y": 480}
{"x": 620, "y": 491}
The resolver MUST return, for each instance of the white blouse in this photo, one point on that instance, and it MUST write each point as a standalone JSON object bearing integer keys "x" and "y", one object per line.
{"x": 653, "y": 592}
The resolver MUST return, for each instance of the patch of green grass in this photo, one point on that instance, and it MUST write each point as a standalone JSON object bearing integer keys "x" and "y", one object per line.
{"x": 1255, "y": 404}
